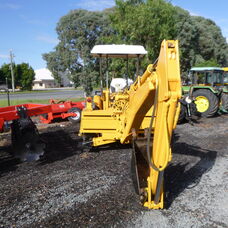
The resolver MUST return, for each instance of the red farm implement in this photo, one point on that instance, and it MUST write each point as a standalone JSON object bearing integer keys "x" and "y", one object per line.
{"x": 63, "y": 109}
{"x": 24, "y": 133}
{"x": 47, "y": 112}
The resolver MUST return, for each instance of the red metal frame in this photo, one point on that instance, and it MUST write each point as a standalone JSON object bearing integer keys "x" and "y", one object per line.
{"x": 60, "y": 110}
{"x": 53, "y": 110}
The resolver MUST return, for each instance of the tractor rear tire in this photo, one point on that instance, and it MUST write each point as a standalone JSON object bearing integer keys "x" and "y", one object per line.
{"x": 181, "y": 118}
{"x": 75, "y": 119}
{"x": 224, "y": 99}
{"x": 207, "y": 103}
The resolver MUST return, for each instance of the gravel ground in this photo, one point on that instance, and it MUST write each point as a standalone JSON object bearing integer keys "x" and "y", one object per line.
{"x": 71, "y": 188}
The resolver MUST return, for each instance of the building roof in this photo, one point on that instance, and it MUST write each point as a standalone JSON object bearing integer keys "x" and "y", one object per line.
{"x": 43, "y": 74}
{"x": 205, "y": 68}
{"x": 118, "y": 51}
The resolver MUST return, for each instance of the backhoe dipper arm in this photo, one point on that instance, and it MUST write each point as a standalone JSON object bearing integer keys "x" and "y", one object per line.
{"x": 159, "y": 87}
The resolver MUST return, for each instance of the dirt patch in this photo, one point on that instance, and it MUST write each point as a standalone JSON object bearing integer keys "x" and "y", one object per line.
{"x": 71, "y": 188}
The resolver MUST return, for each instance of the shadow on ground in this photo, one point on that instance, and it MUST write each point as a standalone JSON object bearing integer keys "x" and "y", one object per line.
{"x": 189, "y": 164}
{"x": 60, "y": 144}
{"x": 8, "y": 162}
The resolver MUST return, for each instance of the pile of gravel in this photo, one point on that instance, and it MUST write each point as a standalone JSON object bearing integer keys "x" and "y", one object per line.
{"x": 68, "y": 187}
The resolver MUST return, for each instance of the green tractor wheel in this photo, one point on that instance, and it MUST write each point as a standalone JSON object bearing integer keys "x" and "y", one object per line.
{"x": 224, "y": 100}
{"x": 207, "y": 103}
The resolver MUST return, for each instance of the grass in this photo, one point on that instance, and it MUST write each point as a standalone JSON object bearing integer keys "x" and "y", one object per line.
{"x": 37, "y": 91}
{"x": 4, "y": 103}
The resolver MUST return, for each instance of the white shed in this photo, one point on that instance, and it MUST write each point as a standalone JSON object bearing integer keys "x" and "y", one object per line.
{"x": 43, "y": 79}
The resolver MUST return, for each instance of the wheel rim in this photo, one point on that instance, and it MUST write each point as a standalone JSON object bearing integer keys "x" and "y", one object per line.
{"x": 76, "y": 117}
{"x": 202, "y": 103}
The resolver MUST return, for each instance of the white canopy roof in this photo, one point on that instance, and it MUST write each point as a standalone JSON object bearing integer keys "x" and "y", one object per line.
{"x": 205, "y": 68}
{"x": 118, "y": 51}
{"x": 43, "y": 74}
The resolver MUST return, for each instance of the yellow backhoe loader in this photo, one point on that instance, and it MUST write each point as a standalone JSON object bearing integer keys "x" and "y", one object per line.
{"x": 120, "y": 117}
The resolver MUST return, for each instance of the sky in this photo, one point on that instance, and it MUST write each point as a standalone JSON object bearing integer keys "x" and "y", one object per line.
{"x": 27, "y": 27}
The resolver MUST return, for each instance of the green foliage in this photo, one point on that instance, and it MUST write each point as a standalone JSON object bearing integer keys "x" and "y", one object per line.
{"x": 23, "y": 75}
{"x": 141, "y": 22}
{"x": 144, "y": 23}
{"x": 4, "y": 103}
{"x": 2, "y": 78}
{"x": 201, "y": 41}
{"x": 5, "y": 72}
{"x": 208, "y": 63}
{"x": 211, "y": 43}
{"x": 26, "y": 75}
{"x": 78, "y": 32}
{"x": 54, "y": 64}
{"x": 187, "y": 36}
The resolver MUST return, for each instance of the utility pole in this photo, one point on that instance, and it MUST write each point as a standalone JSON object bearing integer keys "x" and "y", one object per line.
{"x": 11, "y": 68}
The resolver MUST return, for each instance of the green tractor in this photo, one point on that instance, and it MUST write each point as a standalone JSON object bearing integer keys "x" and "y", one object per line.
{"x": 208, "y": 88}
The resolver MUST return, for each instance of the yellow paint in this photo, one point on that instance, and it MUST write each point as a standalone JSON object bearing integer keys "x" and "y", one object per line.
{"x": 202, "y": 104}
{"x": 120, "y": 113}
{"x": 226, "y": 76}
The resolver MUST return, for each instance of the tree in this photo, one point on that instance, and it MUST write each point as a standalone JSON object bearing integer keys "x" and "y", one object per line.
{"x": 55, "y": 64}
{"x": 201, "y": 41}
{"x": 141, "y": 22}
{"x": 23, "y": 75}
{"x": 208, "y": 63}
{"x": 211, "y": 43}
{"x": 187, "y": 35}
{"x": 2, "y": 78}
{"x": 144, "y": 23}
{"x": 6, "y": 74}
{"x": 26, "y": 76}
{"x": 78, "y": 32}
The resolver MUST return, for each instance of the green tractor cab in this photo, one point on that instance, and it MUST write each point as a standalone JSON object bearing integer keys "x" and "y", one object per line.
{"x": 207, "y": 87}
